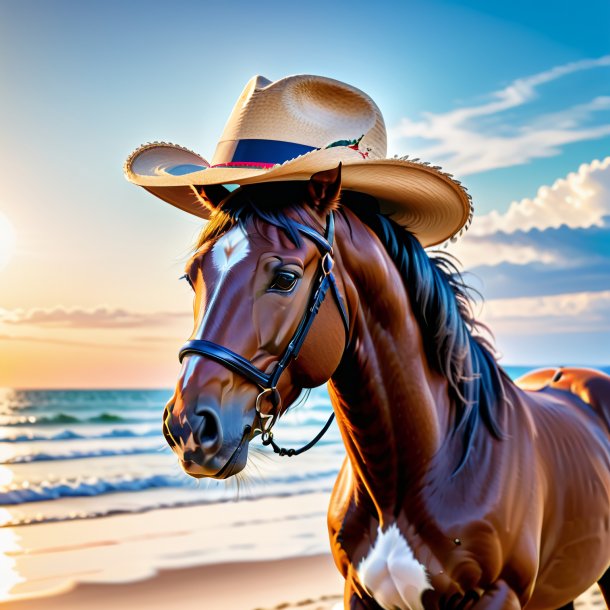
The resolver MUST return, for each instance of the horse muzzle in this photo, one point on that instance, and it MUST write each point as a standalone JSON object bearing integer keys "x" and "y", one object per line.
{"x": 205, "y": 447}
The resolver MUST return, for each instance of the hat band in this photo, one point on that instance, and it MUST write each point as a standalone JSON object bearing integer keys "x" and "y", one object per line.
{"x": 265, "y": 153}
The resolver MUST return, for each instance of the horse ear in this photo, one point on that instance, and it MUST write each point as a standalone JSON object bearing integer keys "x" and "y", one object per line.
{"x": 324, "y": 190}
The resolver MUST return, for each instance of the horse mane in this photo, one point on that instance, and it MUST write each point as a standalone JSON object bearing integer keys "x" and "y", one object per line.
{"x": 442, "y": 304}
{"x": 440, "y": 299}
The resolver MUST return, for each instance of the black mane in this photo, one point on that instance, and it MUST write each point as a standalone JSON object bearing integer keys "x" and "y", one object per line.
{"x": 442, "y": 305}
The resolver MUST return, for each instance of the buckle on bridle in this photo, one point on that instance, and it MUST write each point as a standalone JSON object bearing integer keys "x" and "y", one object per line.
{"x": 327, "y": 263}
{"x": 267, "y": 420}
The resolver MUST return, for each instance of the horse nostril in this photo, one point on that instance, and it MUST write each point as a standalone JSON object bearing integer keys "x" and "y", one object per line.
{"x": 209, "y": 432}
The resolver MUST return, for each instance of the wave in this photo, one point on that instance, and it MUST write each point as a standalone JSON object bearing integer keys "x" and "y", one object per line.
{"x": 67, "y": 418}
{"x": 133, "y": 510}
{"x": 94, "y": 486}
{"x": 68, "y": 435}
{"x": 78, "y": 455}
{"x": 85, "y": 487}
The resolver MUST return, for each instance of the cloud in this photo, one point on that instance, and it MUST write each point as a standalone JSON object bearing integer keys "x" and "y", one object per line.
{"x": 565, "y": 313}
{"x": 508, "y": 280}
{"x": 569, "y": 255}
{"x": 100, "y": 317}
{"x": 491, "y": 251}
{"x": 566, "y": 226}
{"x": 475, "y": 138}
{"x": 537, "y": 262}
{"x": 581, "y": 199}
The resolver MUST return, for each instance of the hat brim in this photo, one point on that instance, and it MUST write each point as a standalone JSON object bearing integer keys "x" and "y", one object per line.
{"x": 423, "y": 199}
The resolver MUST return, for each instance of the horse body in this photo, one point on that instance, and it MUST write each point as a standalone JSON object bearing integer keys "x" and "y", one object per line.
{"x": 524, "y": 514}
{"x": 447, "y": 498}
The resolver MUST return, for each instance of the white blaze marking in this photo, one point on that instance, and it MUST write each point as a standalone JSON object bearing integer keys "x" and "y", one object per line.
{"x": 231, "y": 248}
{"x": 391, "y": 574}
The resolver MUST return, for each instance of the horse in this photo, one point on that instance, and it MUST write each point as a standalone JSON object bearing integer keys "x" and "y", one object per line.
{"x": 460, "y": 489}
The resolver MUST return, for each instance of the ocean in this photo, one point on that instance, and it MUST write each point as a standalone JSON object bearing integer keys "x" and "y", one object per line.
{"x": 72, "y": 462}
{"x": 104, "y": 446}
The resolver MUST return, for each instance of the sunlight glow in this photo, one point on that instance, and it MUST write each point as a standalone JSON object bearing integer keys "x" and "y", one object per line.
{"x": 10, "y": 575}
{"x": 5, "y": 517}
{"x": 7, "y": 240}
{"x": 6, "y": 476}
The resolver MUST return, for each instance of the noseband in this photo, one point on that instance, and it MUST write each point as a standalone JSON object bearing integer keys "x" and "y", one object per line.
{"x": 268, "y": 381}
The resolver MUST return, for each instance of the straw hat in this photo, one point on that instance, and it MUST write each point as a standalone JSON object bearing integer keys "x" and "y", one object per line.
{"x": 292, "y": 128}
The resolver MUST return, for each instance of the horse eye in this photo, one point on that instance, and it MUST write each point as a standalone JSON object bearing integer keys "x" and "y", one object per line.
{"x": 188, "y": 279}
{"x": 284, "y": 281}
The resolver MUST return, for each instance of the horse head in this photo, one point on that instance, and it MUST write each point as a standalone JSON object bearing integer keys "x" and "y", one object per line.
{"x": 260, "y": 275}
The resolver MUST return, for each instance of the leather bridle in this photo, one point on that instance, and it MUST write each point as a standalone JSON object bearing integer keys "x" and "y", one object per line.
{"x": 324, "y": 280}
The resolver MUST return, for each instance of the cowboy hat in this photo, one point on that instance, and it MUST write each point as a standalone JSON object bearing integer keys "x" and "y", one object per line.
{"x": 292, "y": 128}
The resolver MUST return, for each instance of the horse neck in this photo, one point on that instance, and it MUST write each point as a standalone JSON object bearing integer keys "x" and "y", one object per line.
{"x": 392, "y": 409}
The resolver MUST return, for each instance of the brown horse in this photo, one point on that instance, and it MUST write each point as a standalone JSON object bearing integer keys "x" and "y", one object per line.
{"x": 460, "y": 489}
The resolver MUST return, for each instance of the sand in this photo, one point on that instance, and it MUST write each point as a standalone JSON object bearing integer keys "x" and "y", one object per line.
{"x": 302, "y": 583}
{"x": 235, "y": 556}
{"x": 307, "y": 582}
{"x": 265, "y": 554}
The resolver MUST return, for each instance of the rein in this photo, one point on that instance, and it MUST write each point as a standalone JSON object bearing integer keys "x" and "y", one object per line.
{"x": 324, "y": 280}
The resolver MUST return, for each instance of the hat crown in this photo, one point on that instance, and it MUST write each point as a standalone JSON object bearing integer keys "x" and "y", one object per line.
{"x": 306, "y": 110}
{"x": 293, "y": 128}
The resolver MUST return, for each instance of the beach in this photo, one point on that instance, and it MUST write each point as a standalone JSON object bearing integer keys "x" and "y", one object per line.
{"x": 93, "y": 505}
{"x": 264, "y": 585}
{"x": 140, "y": 562}
{"x": 162, "y": 558}
{"x": 96, "y": 513}
{"x": 206, "y": 588}
{"x": 306, "y": 583}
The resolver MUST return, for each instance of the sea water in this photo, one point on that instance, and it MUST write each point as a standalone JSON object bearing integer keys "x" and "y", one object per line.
{"x": 98, "y": 445}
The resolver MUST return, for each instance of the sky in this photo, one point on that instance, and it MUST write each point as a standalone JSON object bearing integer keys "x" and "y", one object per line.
{"x": 511, "y": 98}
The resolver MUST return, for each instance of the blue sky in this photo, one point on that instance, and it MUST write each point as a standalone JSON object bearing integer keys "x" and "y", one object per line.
{"x": 510, "y": 97}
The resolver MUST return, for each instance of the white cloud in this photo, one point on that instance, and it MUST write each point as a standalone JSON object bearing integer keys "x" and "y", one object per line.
{"x": 580, "y": 200}
{"x": 473, "y": 253}
{"x": 465, "y": 147}
{"x": 564, "y": 313}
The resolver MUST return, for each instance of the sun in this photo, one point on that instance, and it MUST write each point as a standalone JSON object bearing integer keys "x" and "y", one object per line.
{"x": 7, "y": 241}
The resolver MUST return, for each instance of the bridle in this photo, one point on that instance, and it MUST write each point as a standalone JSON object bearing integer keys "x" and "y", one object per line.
{"x": 268, "y": 381}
